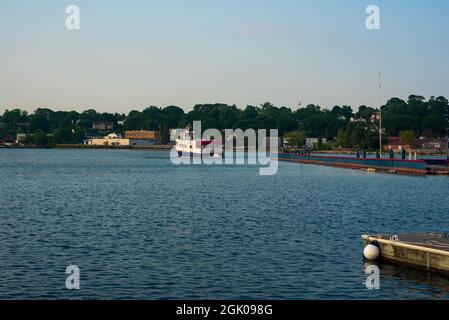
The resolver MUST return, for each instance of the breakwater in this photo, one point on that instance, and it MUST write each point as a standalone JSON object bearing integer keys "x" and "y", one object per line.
{"x": 414, "y": 167}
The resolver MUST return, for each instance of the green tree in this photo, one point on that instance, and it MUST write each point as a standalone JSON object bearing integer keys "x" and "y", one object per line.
{"x": 61, "y": 136}
{"x": 424, "y": 117}
{"x": 39, "y": 138}
{"x": 365, "y": 113}
{"x": 341, "y": 137}
{"x": 319, "y": 145}
{"x": 79, "y": 135}
{"x": 295, "y": 138}
{"x": 407, "y": 137}
{"x": 358, "y": 136}
{"x": 435, "y": 125}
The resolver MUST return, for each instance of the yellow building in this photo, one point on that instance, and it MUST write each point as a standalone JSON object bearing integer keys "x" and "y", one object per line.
{"x": 153, "y": 136}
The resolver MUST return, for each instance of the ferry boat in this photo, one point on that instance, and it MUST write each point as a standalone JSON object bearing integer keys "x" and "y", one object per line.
{"x": 186, "y": 145}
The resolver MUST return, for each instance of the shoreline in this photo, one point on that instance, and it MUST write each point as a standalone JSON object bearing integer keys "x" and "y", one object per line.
{"x": 169, "y": 147}
{"x": 86, "y": 147}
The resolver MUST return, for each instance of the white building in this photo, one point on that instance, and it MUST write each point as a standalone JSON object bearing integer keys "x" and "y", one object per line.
{"x": 109, "y": 140}
{"x": 114, "y": 139}
{"x": 20, "y": 137}
{"x": 311, "y": 142}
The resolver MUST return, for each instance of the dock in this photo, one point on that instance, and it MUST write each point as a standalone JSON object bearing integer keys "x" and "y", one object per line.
{"x": 425, "y": 251}
{"x": 438, "y": 170}
{"x": 393, "y": 166}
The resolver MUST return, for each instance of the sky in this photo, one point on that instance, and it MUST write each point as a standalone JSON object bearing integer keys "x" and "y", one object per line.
{"x": 133, "y": 54}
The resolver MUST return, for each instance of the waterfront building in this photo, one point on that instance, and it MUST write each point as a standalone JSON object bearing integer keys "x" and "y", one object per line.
{"x": 20, "y": 137}
{"x": 424, "y": 144}
{"x": 286, "y": 142}
{"x": 312, "y": 142}
{"x": 132, "y": 138}
{"x": 436, "y": 144}
{"x": 395, "y": 144}
{"x": 109, "y": 140}
{"x": 143, "y": 137}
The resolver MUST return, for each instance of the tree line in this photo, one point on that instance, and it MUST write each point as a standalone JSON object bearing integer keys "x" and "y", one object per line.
{"x": 340, "y": 124}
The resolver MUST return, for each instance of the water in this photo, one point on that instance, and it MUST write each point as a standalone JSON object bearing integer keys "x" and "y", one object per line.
{"x": 140, "y": 228}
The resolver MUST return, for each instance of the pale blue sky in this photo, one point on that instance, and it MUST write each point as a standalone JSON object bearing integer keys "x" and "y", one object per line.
{"x": 131, "y": 54}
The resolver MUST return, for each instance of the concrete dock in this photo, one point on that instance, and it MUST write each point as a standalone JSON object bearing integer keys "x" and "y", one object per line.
{"x": 420, "y": 167}
{"x": 426, "y": 251}
{"x": 410, "y": 167}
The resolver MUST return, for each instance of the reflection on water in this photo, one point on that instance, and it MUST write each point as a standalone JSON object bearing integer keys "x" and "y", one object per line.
{"x": 417, "y": 283}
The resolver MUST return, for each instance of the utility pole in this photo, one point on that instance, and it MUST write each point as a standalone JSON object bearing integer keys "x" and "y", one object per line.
{"x": 447, "y": 138}
{"x": 380, "y": 116}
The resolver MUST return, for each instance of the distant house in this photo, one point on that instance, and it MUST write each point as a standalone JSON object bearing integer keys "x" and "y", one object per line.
{"x": 395, "y": 144}
{"x": 103, "y": 126}
{"x": 312, "y": 142}
{"x": 375, "y": 117}
{"x": 431, "y": 144}
{"x": 20, "y": 137}
{"x": 286, "y": 142}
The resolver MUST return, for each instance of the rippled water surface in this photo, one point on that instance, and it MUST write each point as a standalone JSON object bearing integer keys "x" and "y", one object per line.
{"x": 139, "y": 227}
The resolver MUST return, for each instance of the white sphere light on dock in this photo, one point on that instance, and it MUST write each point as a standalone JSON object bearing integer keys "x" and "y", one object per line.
{"x": 371, "y": 252}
